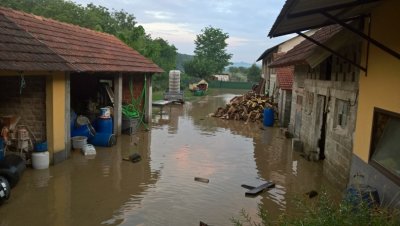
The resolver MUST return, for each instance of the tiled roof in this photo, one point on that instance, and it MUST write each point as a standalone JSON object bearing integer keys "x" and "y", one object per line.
{"x": 29, "y": 42}
{"x": 284, "y": 76}
{"x": 302, "y": 51}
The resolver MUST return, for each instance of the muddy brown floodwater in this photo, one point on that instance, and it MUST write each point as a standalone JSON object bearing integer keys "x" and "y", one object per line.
{"x": 183, "y": 143}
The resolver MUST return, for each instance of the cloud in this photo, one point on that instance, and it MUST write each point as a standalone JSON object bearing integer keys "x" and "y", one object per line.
{"x": 237, "y": 41}
{"x": 222, "y": 6}
{"x": 171, "y": 31}
{"x": 161, "y": 15}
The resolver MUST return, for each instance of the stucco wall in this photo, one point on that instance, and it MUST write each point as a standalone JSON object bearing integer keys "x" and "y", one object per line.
{"x": 380, "y": 86}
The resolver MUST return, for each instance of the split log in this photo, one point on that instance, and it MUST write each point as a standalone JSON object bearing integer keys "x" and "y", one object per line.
{"x": 248, "y": 107}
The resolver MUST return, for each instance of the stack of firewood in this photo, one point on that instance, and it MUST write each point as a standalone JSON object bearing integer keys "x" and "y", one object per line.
{"x": 249, "y": 107}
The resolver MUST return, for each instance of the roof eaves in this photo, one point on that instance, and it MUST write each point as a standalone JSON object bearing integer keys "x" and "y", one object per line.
{"x": 288, "y": 4}
{"x": 268, "y": 51}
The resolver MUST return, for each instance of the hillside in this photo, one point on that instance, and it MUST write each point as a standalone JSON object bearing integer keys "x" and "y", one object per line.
{"x": 181, "y": 59}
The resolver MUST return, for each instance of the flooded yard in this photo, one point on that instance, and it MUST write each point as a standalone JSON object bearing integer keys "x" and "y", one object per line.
{"x": 182, "y": 143}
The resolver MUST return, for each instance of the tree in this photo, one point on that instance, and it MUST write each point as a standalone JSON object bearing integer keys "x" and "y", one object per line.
{"x": 254, "y": 73}
{"x": 210, "y": 53}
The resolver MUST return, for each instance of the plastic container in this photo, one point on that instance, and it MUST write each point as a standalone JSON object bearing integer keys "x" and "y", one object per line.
{"x": 174, "y": 81}
{"x": 78, "y": 142}
{"x": 268, "y": 119}
{"x": 41, "y": 146}
{"x": 129, "y": 125}
{"x": 105, "y": 112}
{"x": 40, "y": 160}
{"x": 103, "y": 140}
{"x": 104, "y": 125}
{"x": 85, "y": 131}
{"x": 362, "y": 193}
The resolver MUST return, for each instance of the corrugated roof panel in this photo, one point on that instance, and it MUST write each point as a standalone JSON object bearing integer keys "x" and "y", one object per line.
{"x": 301, "y": 15}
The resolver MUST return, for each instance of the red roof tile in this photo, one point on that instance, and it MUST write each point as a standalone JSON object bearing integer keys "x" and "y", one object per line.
{"x": 304, "y": 49}
{"x": 284, "y": 76}
{"x": 29, "y": 42}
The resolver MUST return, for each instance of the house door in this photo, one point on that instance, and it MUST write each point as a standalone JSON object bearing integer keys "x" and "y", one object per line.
{"x": 321, "y": 125}
{"x": 298, "y": 115}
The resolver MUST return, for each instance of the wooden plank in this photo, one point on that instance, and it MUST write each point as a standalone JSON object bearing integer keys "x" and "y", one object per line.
{"x": 257, "y": 190}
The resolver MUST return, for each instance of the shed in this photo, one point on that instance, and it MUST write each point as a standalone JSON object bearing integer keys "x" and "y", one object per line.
{"x": 47, "y": 67}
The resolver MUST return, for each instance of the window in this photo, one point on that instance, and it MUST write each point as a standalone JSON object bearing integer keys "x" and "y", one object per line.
{"x": 385, "y": 147}
{"x": 342, "y": 112}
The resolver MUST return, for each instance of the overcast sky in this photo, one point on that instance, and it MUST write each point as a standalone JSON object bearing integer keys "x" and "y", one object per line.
{"x": 179, "y": 21}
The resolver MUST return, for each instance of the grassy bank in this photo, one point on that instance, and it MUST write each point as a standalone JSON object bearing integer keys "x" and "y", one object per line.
{"x": 324, "y": 211}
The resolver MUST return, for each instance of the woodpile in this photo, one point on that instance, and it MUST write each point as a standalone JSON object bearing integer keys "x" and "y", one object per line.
{"x": 249, "y": 107}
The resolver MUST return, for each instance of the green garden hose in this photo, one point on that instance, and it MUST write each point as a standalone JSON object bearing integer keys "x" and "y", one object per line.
{"x": 132, "y": 111}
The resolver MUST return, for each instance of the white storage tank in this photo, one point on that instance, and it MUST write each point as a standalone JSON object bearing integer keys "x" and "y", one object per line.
{"x": 174, "y": 81}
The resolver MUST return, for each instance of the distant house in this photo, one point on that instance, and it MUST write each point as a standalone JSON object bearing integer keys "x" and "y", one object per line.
{"x": 324, "y": 100}
{"x": 224, "y": 78}
{"x": 271, "y": 54}
{"x": 375, "y": 158}
{"x": 49, "y": 68}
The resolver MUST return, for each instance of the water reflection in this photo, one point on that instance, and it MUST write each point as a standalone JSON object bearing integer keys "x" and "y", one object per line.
{"x": 183, "y": 143}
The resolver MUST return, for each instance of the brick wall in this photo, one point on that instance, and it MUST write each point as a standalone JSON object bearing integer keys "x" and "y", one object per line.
{"x": 30, "y": 104}
{"x": 137, "y": 82}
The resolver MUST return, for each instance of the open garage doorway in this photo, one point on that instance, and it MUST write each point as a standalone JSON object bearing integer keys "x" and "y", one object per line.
{"x": 92, "y": 109}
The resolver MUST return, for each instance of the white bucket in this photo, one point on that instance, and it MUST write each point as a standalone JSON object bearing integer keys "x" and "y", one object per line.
{"x": 105, "y": 112}
{"x": 40, "y": 160}
{"x": 78, "y": 142}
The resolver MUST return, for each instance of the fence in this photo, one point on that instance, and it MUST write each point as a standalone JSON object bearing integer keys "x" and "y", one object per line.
{"x": 230, "y": 85}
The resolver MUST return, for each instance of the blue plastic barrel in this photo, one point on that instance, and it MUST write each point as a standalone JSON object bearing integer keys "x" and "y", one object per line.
{"x": 103, "y": 140}
{"x": 85, "y": 131}
{"x": 104, "y": 125}
{"x": 268, "y": 117}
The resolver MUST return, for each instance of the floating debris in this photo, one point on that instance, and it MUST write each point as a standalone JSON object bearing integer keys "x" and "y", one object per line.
{"x": 135, "y": 157}
{"x": 199, "y": 179}
{"x": 253, "y": 191}
{"x": 311, "y": 194}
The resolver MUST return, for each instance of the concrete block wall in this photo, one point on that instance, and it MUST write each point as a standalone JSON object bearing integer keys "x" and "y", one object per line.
{"x": 343, "y": 86}
{"x": 339, "y": 141}
{"x": 30, "y": 104}
{"x": 297, "y": 91}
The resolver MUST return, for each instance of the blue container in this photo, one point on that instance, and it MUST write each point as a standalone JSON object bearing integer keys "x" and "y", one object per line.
{"x": 104, "y": 125}
{"x": 268, "y": 117}
{"x": 355, "y": 195}
{"x": 41, "y": 147}
{"x": 1, "y": 149}
{"x": 103, "y": 140}
{"x": 85, "y": 131}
